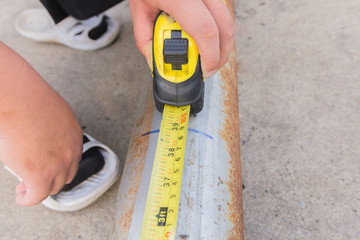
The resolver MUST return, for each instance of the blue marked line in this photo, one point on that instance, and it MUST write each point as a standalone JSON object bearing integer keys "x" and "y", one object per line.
{"x": 190, "y": 129}
{"x": 202, "y": 133}
{"x": 151, "y": 132}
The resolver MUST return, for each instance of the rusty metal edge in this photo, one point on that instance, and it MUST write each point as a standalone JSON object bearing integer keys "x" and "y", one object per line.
{"x": 133, "y": 169}
{"x": 231, "y": 135}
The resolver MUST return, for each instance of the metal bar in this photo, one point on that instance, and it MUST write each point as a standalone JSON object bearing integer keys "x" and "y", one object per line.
{"x": 211, "y": 192}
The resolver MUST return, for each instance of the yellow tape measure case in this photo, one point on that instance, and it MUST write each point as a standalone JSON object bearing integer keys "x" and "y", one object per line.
{"x": 176, "y": 68}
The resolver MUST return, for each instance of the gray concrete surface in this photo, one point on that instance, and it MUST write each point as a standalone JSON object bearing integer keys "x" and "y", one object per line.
{"x": 298, "y": 71}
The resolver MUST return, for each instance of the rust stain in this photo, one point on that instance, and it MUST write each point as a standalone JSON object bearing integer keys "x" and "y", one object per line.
{"x": 231, "y": 135}
{"x": 189, "y": 202}
{"x": 133, "y": 169}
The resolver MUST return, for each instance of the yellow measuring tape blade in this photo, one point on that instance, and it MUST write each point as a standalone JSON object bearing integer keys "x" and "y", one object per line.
{"x": 162, "y": 204}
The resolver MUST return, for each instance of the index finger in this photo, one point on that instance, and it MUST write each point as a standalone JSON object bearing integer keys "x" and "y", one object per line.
{"x": 226, "y": 26}
{"x": 196, "y": 20}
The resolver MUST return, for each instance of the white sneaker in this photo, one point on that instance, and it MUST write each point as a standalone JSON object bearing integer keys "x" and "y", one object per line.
{"x": 91, "y": 34}
{"x": 87, "y": 189}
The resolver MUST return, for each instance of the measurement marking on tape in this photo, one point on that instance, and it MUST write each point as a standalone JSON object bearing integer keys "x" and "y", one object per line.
{"x": 189, "y": 129}
{"x": 165, "y": 182}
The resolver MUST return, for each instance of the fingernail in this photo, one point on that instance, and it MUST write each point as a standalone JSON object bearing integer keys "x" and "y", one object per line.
{"x": 146, "y": 51}
{"x": 209, "y": 74}
{"x": 20, "y": 188}
{"x": 148, "y": 62}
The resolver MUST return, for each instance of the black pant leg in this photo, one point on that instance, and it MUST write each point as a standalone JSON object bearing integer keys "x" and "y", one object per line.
{"x": 84, "y": 9}
{"x": 55, "y": 10}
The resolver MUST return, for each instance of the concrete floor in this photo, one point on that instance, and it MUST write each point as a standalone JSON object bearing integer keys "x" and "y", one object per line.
{"x": 298, "y": 70}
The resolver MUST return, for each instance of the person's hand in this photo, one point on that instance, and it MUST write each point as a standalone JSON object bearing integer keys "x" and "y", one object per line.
{"x": 40, "y": 138}
{"x": 208, "y": 22}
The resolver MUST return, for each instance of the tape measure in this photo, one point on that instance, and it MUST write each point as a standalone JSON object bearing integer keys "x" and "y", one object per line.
{"x": 178, "y": 90}
{"x": 162, "y": 205}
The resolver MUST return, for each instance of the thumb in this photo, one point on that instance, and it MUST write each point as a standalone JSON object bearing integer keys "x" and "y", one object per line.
{"x": 26, "y": 196}
{"x": 20, "y": 189}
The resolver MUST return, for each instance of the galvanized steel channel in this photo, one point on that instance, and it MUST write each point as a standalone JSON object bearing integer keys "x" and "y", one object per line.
{"x": 211, "y": 192}
{"x": 211, "y": 197}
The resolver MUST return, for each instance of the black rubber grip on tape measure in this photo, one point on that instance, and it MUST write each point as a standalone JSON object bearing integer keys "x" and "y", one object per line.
{"x": 189, "y": 92}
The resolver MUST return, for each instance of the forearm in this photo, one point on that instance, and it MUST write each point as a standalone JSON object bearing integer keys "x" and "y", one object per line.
{"x": 23, "y": 91}
{"x": 40, "y": 138}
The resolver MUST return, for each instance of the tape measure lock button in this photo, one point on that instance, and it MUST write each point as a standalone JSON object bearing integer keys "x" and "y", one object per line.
{"x": 176, "y": 50}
